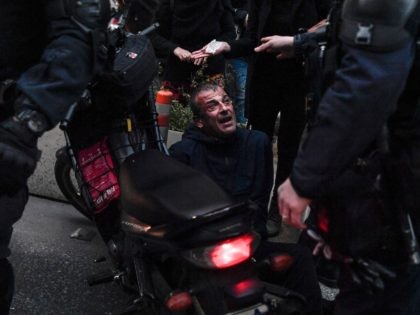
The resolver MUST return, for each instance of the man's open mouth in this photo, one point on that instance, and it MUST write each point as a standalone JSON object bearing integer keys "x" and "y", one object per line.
{"x": 225, "y": 119}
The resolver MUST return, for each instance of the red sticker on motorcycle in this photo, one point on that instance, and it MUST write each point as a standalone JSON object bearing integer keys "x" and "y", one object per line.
{"x": 98, "y": 172}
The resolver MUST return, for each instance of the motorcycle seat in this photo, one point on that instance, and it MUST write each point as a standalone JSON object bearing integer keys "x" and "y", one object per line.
{"x": 157, "y": 189}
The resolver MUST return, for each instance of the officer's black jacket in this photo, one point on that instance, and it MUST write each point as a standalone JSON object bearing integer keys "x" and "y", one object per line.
{"x": 52, "y": 60}
{"x": 351, "y": 115}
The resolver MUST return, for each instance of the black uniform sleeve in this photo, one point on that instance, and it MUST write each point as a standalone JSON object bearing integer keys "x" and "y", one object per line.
{"x": 161, "y": 38}
{"x": 64, "y": 70}
{"x": 306, "y": 43}
{"x": 227, "y": 25}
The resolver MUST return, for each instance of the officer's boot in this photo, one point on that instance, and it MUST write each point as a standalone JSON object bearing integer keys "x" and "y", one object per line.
{"x": 6, "y": 285}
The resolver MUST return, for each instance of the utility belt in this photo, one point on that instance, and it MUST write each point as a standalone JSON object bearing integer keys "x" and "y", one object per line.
{"x": 365, "y": 230}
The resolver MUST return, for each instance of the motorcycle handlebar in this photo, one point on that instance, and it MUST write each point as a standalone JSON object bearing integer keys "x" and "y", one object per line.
{"x": 149, "y": 29}
{"x": 84, "y": 100}
{"x": 69, "y": 116}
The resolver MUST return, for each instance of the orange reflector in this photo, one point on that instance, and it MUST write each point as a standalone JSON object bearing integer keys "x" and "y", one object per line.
{"x": 241, "y": 288}
{"x": 323, "y": 220}
{"x": 164, "y": 97}
{"x": 281, "y": 262}
{"x": 178, "y": 301}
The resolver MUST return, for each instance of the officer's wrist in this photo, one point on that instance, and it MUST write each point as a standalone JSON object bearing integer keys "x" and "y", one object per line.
{"x": 34, "y": 121}
{"x": 299, "y": 45}
{"x": 27, "y": 113}
{"x": 304, "y": 43}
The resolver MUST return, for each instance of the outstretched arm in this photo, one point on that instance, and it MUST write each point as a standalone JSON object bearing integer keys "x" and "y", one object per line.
{"x": 282, "y": 46}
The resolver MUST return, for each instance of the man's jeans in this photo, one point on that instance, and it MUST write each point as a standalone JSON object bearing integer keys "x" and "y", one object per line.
{"x": 240, "y": 68}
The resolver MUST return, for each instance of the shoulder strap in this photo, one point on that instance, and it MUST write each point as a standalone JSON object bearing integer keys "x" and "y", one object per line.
{"x": 172, "y": 5}
{"x": 331, "y": 54}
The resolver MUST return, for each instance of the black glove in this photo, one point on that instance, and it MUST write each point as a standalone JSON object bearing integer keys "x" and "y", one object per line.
{"x": 370, "y": 275}
{"x": 18, "y": 149}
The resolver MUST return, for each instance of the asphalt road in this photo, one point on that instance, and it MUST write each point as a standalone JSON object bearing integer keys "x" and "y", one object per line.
{"x": 51, "y": 268}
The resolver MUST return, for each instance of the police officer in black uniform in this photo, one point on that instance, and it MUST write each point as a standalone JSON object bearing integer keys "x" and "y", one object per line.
{"x": 49, "y": 51}
{"x": 360, "y": 161}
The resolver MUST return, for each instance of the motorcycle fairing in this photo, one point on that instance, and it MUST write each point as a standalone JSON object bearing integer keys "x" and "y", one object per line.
{"x": 157, "y": 189}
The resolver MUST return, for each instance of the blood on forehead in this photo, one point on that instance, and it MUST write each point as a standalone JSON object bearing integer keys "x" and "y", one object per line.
{"x": 207, "y": 96}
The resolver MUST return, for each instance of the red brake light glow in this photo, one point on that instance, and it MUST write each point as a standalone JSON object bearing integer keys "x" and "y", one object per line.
{"x": 179, "y": 301}
{"x": 232, "y": 252}
{"x": 323, "y": 220}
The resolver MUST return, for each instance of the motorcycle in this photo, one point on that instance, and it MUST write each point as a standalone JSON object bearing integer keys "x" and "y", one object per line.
{"x": 179, "y": 243}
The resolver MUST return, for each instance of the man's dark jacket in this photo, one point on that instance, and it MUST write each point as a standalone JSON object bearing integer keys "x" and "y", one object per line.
{"x": 241, "y": 164}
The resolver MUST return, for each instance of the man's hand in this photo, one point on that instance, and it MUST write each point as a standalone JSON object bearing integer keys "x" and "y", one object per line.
{"x": 280, "y": 45}
{"x": 182, "y": 54}
{"x": 199, "y": 61}
{"x": 211, "y": 49}
{"x": 291, "y": 205}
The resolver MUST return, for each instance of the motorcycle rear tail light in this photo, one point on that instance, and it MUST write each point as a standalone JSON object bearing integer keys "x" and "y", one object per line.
{"x": 281, "y": 262}
{"x": 225, "y": 254}
{"x": 179, "y": 301}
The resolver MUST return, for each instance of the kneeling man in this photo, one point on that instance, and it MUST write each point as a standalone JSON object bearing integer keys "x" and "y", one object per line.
{"x": 239, "y": 160}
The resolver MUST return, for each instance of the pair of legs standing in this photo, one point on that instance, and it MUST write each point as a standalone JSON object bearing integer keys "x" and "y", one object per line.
{"x": 271, "y": 96}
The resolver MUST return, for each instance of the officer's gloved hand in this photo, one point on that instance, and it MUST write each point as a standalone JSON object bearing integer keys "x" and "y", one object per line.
{"x": 18, "y": 148}
{"x": 370, "y": 275}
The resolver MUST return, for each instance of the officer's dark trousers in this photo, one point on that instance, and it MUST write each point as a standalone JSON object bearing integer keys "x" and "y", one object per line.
{"x": 273, "y": 93}
{"x": 11, "y": 209}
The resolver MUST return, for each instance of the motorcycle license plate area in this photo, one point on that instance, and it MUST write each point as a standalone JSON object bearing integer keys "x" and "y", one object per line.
{"x": 252, "y": 310}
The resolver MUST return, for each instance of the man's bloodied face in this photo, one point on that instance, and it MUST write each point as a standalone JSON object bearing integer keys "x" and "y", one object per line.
{"x": 217, "y": 113}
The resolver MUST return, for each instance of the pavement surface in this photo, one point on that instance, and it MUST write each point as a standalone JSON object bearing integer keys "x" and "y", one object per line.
{"x": 51, "y": 268}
